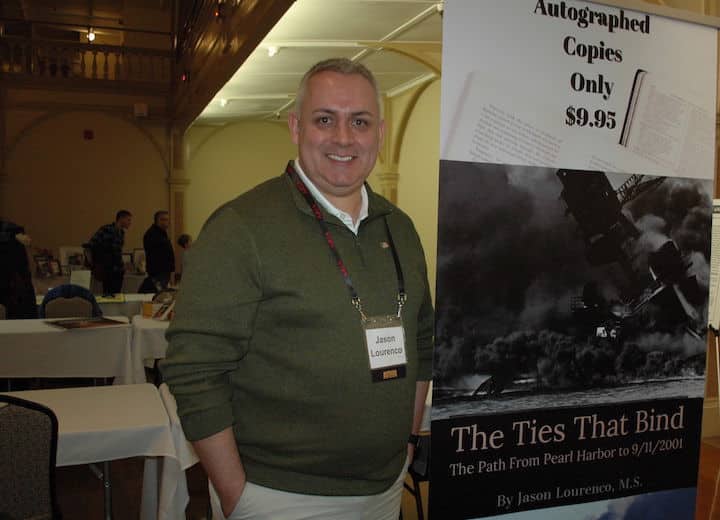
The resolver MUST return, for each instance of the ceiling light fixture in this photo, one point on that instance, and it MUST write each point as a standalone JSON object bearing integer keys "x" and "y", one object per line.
{"x": 223, "y": 102}
{"x": 91, "y": 35}
{"x": 273, "y": 50}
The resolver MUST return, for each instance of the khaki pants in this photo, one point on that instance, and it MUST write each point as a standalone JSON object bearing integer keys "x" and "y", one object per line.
{"x": 262, "y": 503}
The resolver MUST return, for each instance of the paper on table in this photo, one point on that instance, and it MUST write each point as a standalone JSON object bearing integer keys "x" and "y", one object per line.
{"x": 115, "y": 298}
{"x": 85, "y": 323}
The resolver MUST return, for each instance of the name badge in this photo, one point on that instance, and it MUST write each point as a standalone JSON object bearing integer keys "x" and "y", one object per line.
{"x": 385, "y": 340}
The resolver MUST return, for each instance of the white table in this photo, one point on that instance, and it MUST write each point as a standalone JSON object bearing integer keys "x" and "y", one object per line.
{"x": 148, "y": 339}
{"x": 34, "y": 348}
{"x": 98, "y": 424}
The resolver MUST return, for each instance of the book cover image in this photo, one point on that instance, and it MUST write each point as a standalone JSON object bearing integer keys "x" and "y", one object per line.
{"x": 570, "y": 335}
{"x": 664, "y": 125}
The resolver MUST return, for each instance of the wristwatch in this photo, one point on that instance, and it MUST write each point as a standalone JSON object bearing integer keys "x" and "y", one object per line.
{"x": 413, "y": 439}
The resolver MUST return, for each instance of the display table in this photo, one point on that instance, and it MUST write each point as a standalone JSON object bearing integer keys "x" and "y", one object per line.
{"x": 104, "y": 423}
{"x": 148, "y": 339}
{"x": 34, "y": 348}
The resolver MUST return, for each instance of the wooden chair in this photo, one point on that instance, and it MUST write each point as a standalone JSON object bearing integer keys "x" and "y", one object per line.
{"x": 419, "y": 471}
{"x": 69, "y": 301}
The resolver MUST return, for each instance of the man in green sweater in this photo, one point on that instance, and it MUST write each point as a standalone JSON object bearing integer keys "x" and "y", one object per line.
{"x": 301, "y": 348}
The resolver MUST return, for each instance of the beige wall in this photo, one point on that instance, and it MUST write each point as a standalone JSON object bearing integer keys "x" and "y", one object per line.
{"x": 227, "y": 161}
{"x": 419, "y": 171}
{"x": 62, "y": 187}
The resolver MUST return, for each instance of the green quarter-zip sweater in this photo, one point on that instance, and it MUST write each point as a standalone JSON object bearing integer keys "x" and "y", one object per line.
{"x": 265, "y": 339}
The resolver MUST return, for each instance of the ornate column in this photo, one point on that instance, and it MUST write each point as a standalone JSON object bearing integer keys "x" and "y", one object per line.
{"x": 177, "y": 182}
{"x": 388, "y": 174}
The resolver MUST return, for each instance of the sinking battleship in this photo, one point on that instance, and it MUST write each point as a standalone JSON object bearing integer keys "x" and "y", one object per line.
{"x": 660, "y": 296}
{"x": 667, "y": 287}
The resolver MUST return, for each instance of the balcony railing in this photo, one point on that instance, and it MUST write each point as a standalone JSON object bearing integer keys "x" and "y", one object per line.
{"x": 23, "y": 57}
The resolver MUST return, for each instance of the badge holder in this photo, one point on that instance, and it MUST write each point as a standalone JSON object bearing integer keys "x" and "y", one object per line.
{"x": 385, "y": 342}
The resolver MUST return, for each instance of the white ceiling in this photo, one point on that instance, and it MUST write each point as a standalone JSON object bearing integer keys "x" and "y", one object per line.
{"x": 313, "y": 30}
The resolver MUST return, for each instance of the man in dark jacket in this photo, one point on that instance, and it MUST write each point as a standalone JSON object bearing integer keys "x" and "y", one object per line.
{"x": 159, "y": 254}
{"x": 106, "y": 246}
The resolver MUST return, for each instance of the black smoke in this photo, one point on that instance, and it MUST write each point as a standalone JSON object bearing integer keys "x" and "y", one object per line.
{"x": 511, "y": 259}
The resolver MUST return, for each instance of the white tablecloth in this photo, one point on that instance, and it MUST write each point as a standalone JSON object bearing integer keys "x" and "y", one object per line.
{"x": 104, "y": 423}
{"x": 174, "y": 494}
{"x": 33, "y": 348}
{"x": 148, "y": 339}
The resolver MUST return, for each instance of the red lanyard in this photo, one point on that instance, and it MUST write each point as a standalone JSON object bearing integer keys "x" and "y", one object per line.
{"x": 317, "y": 212}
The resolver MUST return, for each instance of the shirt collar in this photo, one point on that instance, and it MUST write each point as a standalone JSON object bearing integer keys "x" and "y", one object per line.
{"x": 344, "y": 217}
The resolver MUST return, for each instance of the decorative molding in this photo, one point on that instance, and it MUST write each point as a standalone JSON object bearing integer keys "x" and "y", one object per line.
{"x": 427, "y": 53}
{"x": 420, "y": 80}
{"x": 400, "y": 136}
{"x": 122, "y": 111}
{"x": 116, "y": 87}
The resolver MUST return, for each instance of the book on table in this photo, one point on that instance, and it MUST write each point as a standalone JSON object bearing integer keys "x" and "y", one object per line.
{"x": 85, "y": 323}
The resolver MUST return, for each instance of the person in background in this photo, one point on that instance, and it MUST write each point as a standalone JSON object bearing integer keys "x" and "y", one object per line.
{"x": 106, "y": 247}
{"x": 17, "y": 293}
{"x": 301, "y": 347}
{"x": 184, "y": 241}
{"x": 159, "y": 254}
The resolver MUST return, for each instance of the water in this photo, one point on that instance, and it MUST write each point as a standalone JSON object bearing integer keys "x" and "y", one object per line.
{"x": 691, "y": 387}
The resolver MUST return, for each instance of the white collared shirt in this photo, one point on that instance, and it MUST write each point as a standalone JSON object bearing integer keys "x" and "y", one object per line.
{"x": 344, "y": 217}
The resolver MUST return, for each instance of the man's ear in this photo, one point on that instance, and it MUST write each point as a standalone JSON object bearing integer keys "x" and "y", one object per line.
{"x": 294, "y": 126}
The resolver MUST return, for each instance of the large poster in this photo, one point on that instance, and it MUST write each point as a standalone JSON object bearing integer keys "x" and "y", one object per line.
{"x": 577, "y": 160}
